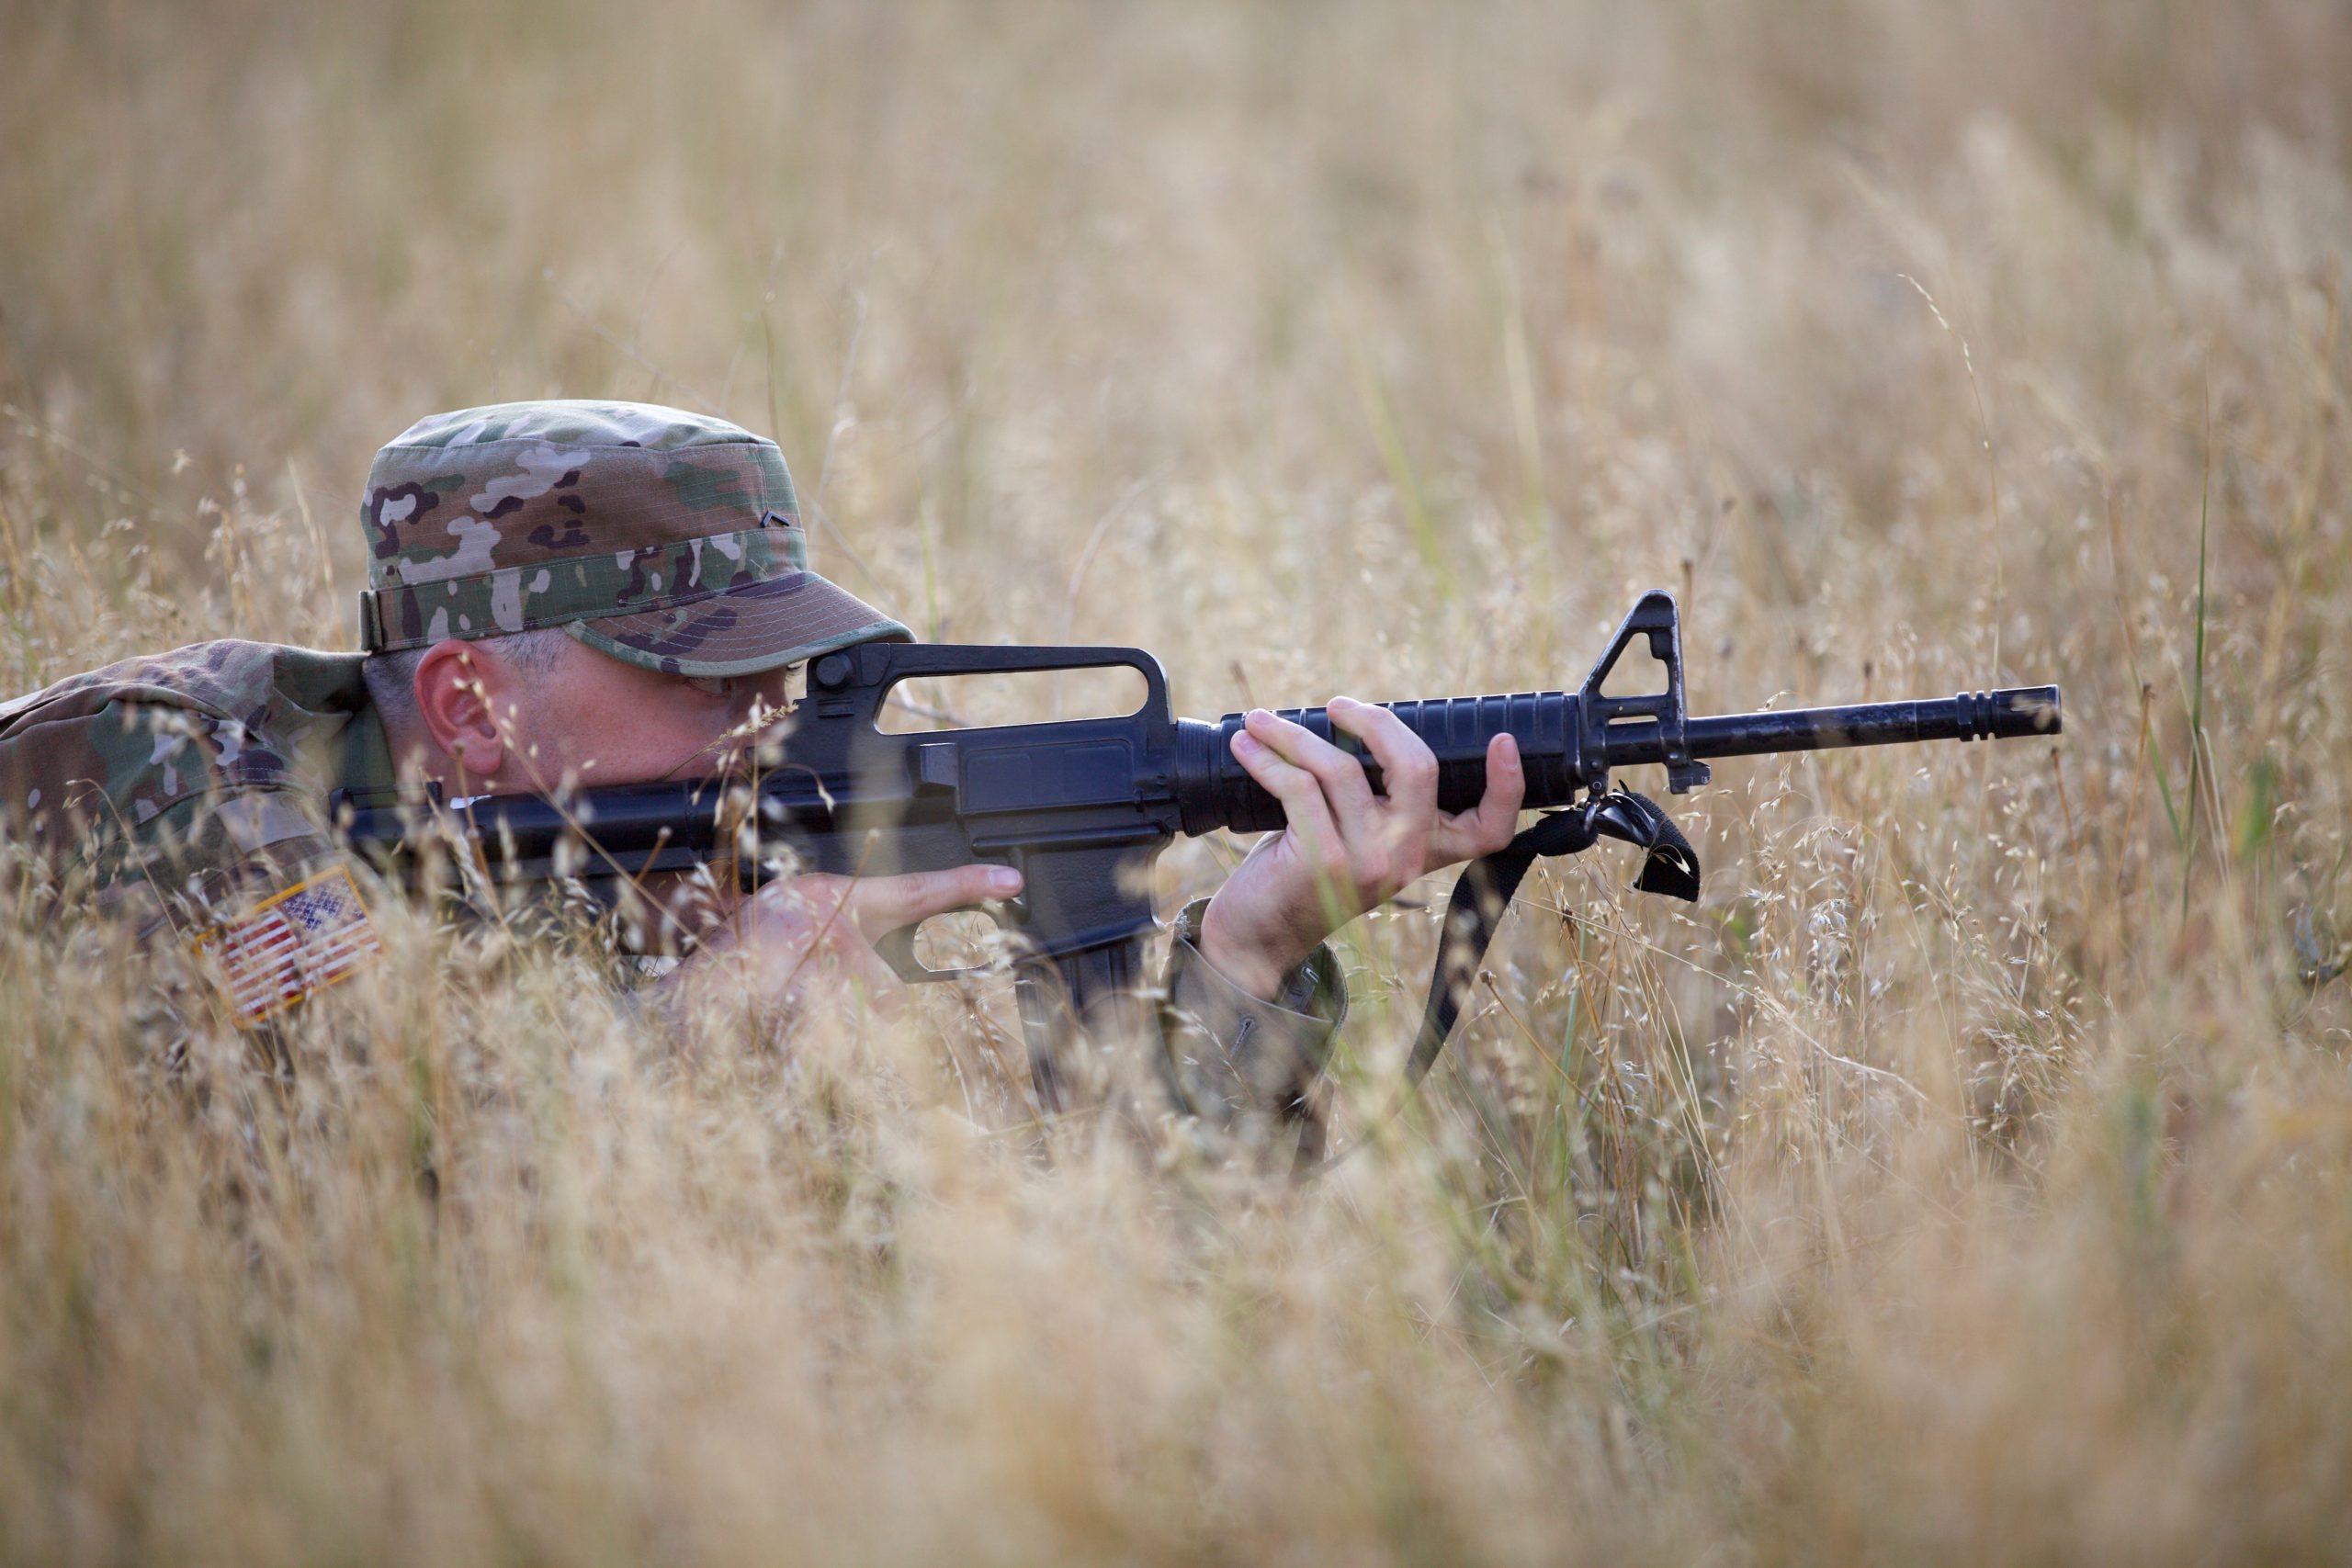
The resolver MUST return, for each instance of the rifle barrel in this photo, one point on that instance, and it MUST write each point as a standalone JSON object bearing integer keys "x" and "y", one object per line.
{"x": 1980, "y": 715}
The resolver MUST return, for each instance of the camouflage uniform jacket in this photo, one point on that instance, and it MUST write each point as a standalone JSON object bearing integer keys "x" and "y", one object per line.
{"x": 187, "y": 785}
{"x": 184, "y": 784}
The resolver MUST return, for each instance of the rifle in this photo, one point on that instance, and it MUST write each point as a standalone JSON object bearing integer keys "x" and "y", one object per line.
{"x": 1083, "y": 808}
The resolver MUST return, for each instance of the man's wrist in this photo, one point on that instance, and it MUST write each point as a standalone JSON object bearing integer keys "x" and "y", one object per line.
{"x": 1231, "y": 1052}
{"x": 1255, "y": 964}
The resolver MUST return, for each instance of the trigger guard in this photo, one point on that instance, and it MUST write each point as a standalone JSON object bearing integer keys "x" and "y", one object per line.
{"x": 898, "y": 950}
{"x": 898, "y": 947}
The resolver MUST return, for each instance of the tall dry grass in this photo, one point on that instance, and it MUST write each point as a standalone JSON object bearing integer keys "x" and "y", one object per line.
{"x": 1967, "y": 1178}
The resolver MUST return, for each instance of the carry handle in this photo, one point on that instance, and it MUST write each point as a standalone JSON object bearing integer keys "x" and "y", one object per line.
{"x": 858, "y": 679}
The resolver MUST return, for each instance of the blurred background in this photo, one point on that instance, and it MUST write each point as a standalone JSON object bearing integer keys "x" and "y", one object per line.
{"x": 1449, "y": 323}
{"x": 1965, "y": 1178}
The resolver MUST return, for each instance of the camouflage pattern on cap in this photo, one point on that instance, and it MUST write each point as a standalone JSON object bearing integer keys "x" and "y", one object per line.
{"x": 669, "y": 539}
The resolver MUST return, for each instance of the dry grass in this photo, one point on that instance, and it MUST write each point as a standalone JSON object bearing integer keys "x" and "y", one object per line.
{"x": 1968, "y": 1179}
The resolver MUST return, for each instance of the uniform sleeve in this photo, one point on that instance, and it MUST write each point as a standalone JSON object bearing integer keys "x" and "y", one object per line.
{"x": 1230, "y": 1052}
{"x": 169, "y": 812}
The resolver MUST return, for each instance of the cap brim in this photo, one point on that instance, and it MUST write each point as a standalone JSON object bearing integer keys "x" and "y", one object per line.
{"x": 744, "y": 631}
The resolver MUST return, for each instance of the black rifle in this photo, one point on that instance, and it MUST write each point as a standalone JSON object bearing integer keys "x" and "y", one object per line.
{"x": 1083, "y": 808}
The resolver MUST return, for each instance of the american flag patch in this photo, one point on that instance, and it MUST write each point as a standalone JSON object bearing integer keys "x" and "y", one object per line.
{"x": 303, "y": 940}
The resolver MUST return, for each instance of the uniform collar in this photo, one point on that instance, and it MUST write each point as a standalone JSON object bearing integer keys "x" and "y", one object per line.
{"x": 367, "y": 760}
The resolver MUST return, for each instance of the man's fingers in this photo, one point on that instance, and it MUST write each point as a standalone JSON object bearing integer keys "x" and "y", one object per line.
{"x": 1342, "y": 775}
{"x": 1301, "y": 793}
{"x": 861, "y": 965}
{"x": 803, "y": 935}
{"x": 1407, "y": 766}
{"x": 799, "y": 903}
{"x": 840, "y": 960}
{"x": 881, "y": 903}
{"x": 1407, "y": 774}
{"x": 1490, "y": 825}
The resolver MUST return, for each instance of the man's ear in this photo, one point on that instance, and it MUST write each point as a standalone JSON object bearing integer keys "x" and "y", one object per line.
{"x": 465, "y": 695}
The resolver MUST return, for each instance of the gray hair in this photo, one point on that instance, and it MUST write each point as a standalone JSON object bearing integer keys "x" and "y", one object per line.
{"x": 391, "y": 677}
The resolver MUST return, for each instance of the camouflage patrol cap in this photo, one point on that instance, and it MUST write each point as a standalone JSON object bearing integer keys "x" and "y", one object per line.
{"x": 669, "y": 539}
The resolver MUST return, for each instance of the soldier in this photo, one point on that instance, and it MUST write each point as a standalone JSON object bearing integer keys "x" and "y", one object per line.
{"x": 576, "y": 593}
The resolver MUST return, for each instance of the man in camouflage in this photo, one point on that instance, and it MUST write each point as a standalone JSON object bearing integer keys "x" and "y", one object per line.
{"x": 571, "y": 593}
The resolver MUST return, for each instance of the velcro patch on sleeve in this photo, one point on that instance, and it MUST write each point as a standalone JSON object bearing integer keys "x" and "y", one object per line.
{"x": 293, "y": 944}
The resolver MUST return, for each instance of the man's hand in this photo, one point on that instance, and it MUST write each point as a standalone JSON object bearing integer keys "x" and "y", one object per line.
{"x": 804, "y": 935}
{"x": 1345, "y": 849}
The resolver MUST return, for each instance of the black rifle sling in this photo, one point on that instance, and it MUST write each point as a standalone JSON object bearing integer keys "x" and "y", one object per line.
{"x": 1669, "y": 866}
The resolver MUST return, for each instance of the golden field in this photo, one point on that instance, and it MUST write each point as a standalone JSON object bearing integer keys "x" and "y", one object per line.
{"x": 1967, "y": 1179}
